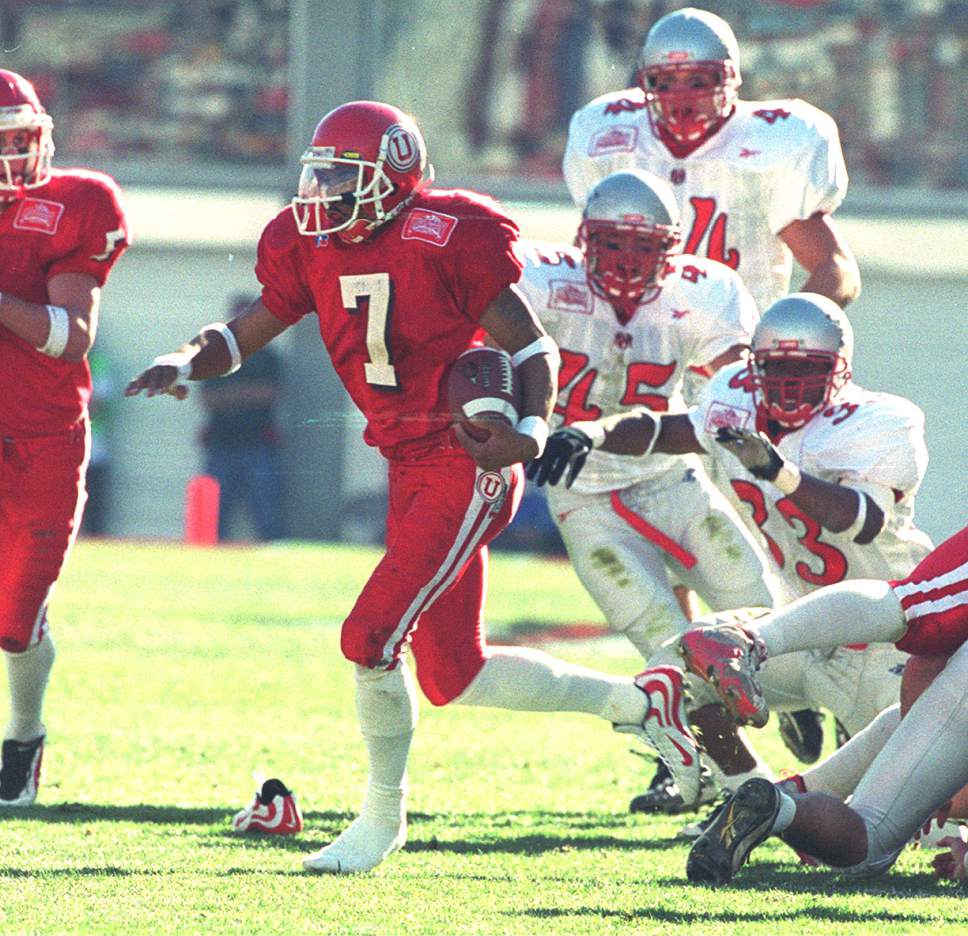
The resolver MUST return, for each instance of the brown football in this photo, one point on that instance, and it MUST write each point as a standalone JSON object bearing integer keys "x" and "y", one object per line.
{"x": 482, "y": 384}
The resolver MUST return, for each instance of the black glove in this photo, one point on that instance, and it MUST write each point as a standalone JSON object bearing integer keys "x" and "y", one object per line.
{"x": 566, "y": 448}
{"x": 757, "y": 453}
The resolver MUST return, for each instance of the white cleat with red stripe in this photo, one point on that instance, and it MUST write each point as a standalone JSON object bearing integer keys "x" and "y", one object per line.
{"x": 666, "y": 728}
{"x": 362, "y": 845}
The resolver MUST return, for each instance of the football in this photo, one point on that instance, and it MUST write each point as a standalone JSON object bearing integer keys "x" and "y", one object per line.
{"x": 482, "y": 384}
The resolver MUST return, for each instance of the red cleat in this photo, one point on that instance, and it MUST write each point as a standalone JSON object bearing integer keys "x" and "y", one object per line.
{"x": 273, "y": 811}
{"x": 728, "y": 657}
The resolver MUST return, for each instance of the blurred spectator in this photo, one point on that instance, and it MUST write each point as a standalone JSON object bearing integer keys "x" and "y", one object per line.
{"x": 105, "y": 392}
{"x": 242, "y": 442}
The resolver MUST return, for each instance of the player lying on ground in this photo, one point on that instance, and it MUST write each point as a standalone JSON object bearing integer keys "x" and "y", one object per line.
{"x": 920, "y": 768}
{"x": 401, "y": 277}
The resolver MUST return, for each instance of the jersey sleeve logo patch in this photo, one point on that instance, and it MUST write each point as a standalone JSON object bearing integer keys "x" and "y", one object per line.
{"x": 569, "y": 296}
{"x": 430, "y": 226}
{"x": 771, "y": 115}
{"x": 38, "y": 214}
{"x": 622, "y": 138}
{"x": 723, "y": 414}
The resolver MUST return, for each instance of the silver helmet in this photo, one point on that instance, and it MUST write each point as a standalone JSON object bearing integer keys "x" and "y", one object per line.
{"x": 629, "y": 230}
{"x": 801, "y": 356}
{"x": 689, "y": 70}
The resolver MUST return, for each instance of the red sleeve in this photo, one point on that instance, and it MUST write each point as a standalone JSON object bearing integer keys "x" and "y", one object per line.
{"x": 278, "y": 269}
{"x": 485, "y": 258}
{"x": 101, "y": 237}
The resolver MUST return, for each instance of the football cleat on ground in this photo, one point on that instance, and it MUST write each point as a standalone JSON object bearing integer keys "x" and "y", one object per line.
{"x": 802, "y": 733}
{"x": 728, "y": 657}
{"x": 663, "y": 798}
{"x": 361, "y": 846}
{"x": 743, "y": 821}
{"x": 692, "y": 830}
{"x": 20, "y": 773}
{"x": 273, "y": 811}
{"x": 665, "y": 728}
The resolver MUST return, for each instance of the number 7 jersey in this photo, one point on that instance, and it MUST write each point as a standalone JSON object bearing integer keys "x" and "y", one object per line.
{"x": 395, "y": 311}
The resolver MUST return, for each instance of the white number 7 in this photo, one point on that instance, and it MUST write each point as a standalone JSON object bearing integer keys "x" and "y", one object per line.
{"x": 376, "y": 288}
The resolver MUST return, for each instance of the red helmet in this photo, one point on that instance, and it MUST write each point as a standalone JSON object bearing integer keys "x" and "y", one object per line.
{"x": 366, "y": 162}
{"x": 26, "y": 147}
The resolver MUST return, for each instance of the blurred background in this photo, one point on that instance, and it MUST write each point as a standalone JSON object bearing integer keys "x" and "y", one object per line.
{"x": 200, "y": 109}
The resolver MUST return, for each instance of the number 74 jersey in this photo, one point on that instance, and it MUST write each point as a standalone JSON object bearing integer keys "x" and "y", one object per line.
{"x": 870, "y": 441}
{"x": 772, "y": 163}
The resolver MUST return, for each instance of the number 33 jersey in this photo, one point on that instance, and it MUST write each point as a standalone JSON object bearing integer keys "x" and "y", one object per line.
{"x": 772, "y": 162}
{"x": 873, "y": 442}
{"x": 396, "y": 310}
{"x": 607, "y": 367}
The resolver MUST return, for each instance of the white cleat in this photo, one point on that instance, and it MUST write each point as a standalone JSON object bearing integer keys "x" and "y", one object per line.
{"x": 665, "y": 728}
{"x": 362, "y": 845}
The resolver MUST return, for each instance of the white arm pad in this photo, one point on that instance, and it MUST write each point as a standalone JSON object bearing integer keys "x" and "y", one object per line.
{"x": 854, "y": 529}
{"x": 60, "y": 331}
{"x": 228, "y": 336}
{"x": 787, "y": 479}
{"x": 543, "y": 345}
{"x": 537, "y": 429}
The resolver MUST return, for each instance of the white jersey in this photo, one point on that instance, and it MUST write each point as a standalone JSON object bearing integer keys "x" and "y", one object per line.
{"x": 772, "y": 163}
{"x": 702, "y": 311}
{"x": 873, "y": 442}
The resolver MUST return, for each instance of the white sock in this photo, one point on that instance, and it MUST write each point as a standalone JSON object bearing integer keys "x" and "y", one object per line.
{"x": 861, "y": 611}
{"x": 386, "y": 706}
{"x": 531, "y": 681}
{"x": 785, "y": 815}
{"x": 27, "y": 675}
{"x": 840, "y": 773}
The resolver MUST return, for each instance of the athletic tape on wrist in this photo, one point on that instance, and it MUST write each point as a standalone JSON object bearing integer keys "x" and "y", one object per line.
{"x": 656, "y": 426}
{"x": 228, "y": 336}
{"x": 543, "y": 345}
{"x": 861, "y": 518}
{"x": 788, "y": 478}
{"x": 180, "y": 361}
{"x": 60, "y": 331}
{"x": 594, "y": 430}
{"x": 536, "y": 428}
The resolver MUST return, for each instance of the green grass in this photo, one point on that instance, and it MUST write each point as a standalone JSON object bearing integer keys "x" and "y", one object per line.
{"x": 180, "y": 671}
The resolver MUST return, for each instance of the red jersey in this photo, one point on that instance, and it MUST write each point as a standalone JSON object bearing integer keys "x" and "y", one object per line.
{"x": 396, "y": 310}
{"x": 73, "y": 224}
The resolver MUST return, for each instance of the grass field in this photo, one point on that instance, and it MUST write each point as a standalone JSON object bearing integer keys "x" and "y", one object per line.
{"x": 180, "y": 671}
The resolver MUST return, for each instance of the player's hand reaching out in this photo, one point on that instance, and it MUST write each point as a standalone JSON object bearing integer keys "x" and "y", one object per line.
{"x": 566, "y": 450}
{"x": 160, "y": 378}
{"x": 503, "y": 446}
{"x": 951, "y": 864}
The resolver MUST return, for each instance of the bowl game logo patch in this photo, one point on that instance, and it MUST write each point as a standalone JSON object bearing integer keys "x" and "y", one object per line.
{"x": 569, "y": 296}
{"x": 38, "y": 214}
{"x": 433, "y": 227}
{"x": 724, "y": 415}
{"x": 621, "y": 138}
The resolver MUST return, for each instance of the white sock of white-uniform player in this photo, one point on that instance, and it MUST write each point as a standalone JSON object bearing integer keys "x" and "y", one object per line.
{"x": 840, "y": 773}
{"x": 861, "y": 611}
{"x": 27, "y": 676}
{"x": 922, "y": 765}
{"x": 386, "y": 705}
{"x": 531, "y": 681}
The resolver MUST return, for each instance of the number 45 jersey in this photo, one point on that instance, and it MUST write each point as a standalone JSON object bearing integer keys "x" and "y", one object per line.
{"x": 870, "y": 441}
{"x": 398, "y": 309}
{"x": 772, "y": 162}
{"x": 607, "y": 367}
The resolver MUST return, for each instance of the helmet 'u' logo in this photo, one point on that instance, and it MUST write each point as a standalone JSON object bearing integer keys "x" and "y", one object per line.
{"x": 402, "y": 148}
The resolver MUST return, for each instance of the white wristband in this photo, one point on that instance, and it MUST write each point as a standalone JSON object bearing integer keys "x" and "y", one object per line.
{"x": 594, "y": 430}
{"x": 180, "y": 361}
{"x": 854, "y": 529}
{"x": 787, "y": 479}
{"x": 536, "y": 428}
{"x": 228, "y": 336}
{"x": 60, "y": 331}
{"x": 543, "y": 345}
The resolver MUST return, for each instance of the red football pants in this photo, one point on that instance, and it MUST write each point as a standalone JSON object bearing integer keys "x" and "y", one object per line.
{"x": 934, "y": 598}
{"x": 430, "y": 585}
{"x": 41, "y": 499}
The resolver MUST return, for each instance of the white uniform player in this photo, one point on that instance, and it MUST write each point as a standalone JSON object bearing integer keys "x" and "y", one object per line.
{"x": 625, "y": 520}
{"x": 742, "y": 172}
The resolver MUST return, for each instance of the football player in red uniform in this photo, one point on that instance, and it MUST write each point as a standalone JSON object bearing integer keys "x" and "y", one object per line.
{"x": 61, "y": 232}
{"x": 401, "y": 277}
